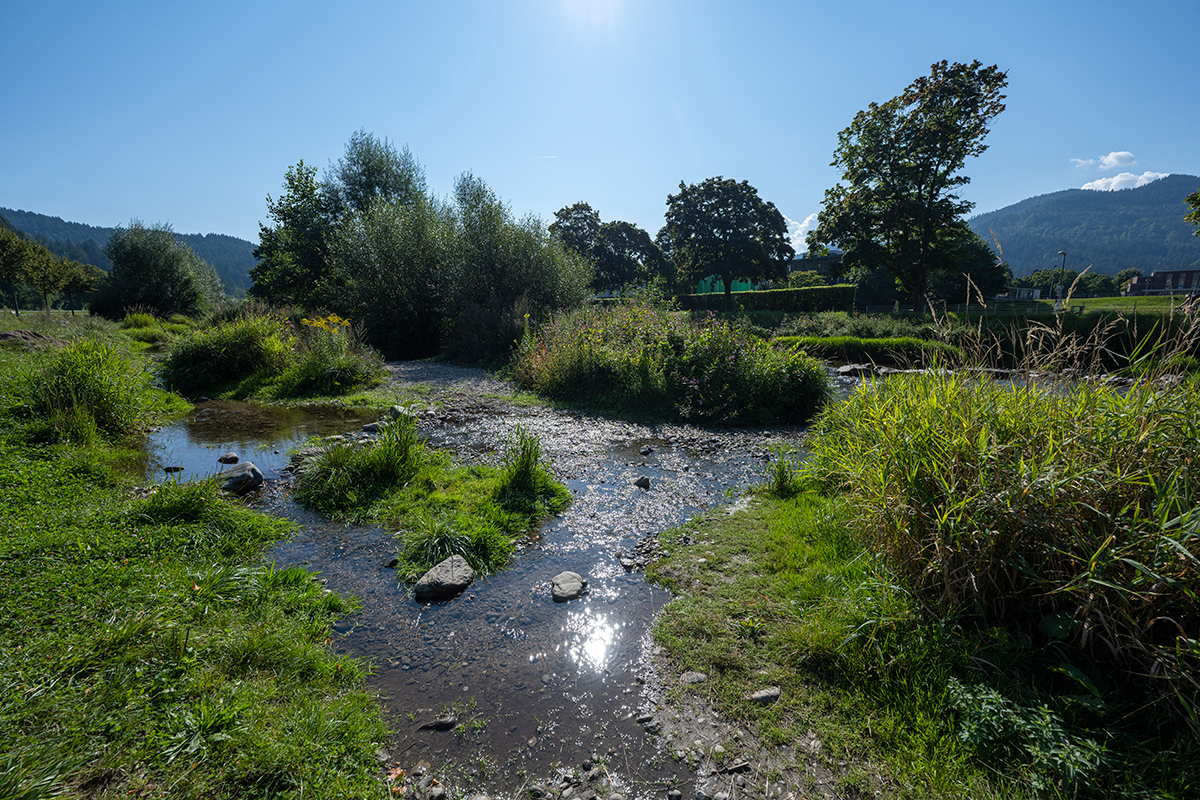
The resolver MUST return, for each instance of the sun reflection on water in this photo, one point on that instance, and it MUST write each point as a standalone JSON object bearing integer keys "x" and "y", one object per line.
{"x": 591, "y": 636}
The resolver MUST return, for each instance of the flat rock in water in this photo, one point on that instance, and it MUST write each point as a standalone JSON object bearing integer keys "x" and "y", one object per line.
{"x": 228, "y": 458}
{"x": 242, "y": 478}
{"x": 567, "y": 586}
{"x": 445, "y": 580}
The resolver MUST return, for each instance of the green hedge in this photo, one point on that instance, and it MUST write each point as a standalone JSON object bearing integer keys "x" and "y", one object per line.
{"x": 809, "y": 299}
{"x": 901, "y": 351}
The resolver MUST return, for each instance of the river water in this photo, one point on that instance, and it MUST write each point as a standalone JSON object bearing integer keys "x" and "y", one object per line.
{"x": 537, "y": 687}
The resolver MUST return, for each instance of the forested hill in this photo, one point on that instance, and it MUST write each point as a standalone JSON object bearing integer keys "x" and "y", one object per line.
{"x": 1142, "y": 228}
{"x": 231, "y": 257}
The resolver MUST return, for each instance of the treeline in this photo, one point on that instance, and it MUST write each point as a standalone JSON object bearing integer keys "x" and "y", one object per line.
{"x": 231, "y": 257}
{"x": 421, "y": 273}
{"x": 1142, "y": 228}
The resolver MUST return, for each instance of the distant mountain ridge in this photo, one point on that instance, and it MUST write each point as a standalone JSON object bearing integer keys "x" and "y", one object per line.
{"x": 230, "y": 256}
{"x": 1110, "y": 231}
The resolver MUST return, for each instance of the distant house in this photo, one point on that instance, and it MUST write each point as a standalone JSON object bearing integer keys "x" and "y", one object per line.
{"x": 1020, "y": 294}
{"x": 1167, "y": 281}
{"x": 713, "y": 284}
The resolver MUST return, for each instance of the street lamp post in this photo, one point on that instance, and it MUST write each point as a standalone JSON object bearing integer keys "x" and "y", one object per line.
{"x": 1058, "y": 289}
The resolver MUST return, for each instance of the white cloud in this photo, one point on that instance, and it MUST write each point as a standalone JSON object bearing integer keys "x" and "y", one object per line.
{"x": 1083, "y": 162}
{"x": 1126, "y": 180}
{"x": 1117, "y": 158}
{"x": 798, "y": 230}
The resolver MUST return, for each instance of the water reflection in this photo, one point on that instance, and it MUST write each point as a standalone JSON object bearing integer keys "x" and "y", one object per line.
{"x": 263, "y": 434}
{"x": 589, "y": 635}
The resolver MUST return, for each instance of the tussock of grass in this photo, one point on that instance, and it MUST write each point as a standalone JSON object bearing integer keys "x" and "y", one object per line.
{"x": 526, "y": 484}
{"x": 87, "y": 391}
{"x": 634, "y": 358}
{"x": 232, "y": 351}
{"x": 348, "y": 475}
{"x": 438, "y": 508}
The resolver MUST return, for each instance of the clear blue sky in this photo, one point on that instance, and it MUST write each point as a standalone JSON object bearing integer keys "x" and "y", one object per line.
{"x": 190, "y": 113}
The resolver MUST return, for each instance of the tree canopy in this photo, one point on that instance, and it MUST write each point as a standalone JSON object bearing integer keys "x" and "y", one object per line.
{"x": 153, "y": 271}
{"x": 900, "y": 163}
{"x": 724, "y": 228}
{"x": 372, "y": 169}
{"x": 293, "y": 253}
{"x": 17, "y": 257}
{"x": 577, "y": 226}
{"x": 1193, "y": 216}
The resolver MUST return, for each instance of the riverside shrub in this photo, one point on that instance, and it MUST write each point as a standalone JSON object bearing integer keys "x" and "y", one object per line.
{"x": 231, "y": 351}
{"x": 637, "y": 358}
{"x": 1064, "y": 514}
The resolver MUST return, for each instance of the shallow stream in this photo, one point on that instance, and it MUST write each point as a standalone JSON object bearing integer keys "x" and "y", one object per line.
{"x": 537, "y": 687}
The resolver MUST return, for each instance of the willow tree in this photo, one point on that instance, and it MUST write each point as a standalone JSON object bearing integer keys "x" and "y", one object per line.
{"x": 901, "y": 163}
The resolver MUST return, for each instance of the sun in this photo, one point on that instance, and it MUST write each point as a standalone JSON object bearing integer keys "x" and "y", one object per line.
{"x": 599, "y": 16}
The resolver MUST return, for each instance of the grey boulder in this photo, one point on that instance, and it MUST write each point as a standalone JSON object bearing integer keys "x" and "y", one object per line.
{"x": 242, "y": 478}
{"x": 445, "y": 580}
{"x": 567, "y": 586}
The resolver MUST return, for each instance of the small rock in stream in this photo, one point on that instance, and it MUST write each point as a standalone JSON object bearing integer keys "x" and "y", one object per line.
{"x": 228, "y": 458}
{"x": 642, "y": 483}
{"x": 445, "y": 580}
{"x": 440, "y": 724}
{"x": 567, "y": 586}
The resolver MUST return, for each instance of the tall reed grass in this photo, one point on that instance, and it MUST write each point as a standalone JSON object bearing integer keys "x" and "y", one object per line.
{"x": 1064, "y": 512}
{"x": 634, "y": 358}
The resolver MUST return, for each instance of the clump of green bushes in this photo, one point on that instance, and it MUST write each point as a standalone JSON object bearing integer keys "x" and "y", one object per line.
{"x": 265, "y": 353}
{"x": 637, "y": 358}
{"x": 1063, "y": 515}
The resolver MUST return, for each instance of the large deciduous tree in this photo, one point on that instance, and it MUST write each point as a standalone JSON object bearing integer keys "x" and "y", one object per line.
{"x": 16, "y": 256}
{"x": 293, "y": 253}
{"x": 155, "y": 272}
{"x": 49, "y": 274}
{"x": 577, "y": 226}
{"x": 901, "y": 162}
{"x": 372, "y": 169}
{"x": 724, "y": 228}
{"x": 624, "y": 254}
